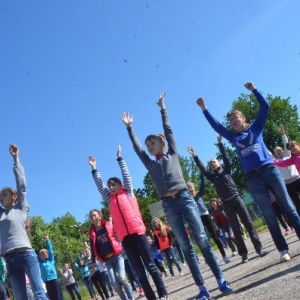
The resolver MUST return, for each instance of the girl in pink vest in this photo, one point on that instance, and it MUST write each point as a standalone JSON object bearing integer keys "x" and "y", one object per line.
{"x": 129, "y": 225}
{"x": 107, "y": 249}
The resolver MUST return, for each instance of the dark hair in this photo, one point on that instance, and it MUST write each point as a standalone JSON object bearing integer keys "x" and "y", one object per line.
{"x": 160, "y": 137}
{"x": 115, "y": 180}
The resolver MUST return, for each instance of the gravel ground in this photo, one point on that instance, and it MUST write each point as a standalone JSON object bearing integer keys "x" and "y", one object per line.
{"x": 260, "y": 278}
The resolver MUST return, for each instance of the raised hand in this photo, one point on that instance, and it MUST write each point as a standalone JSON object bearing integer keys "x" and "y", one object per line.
{"x": 191, "y": 151}
{"x": 200, "y": 101}
{"x": 281, "y": 129}
{"x": 249, "y": 86}
{"x": 127, "y": 119}
{"x": 119, "y": 151}
{"x": 14, "y": 151}
{"x": 46, "y": 236}
{"x": 161, "y": 101}
{"x": 92, "y": 162}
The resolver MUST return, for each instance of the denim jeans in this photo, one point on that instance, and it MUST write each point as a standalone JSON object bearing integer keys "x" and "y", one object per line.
{"x": 116, "y": 272}
{"x": 171, "y": 258}
{"x": 229, "y": 236}
{"x": 178, "y": 209}
{"x": 262, "y": 180}
{"x": 139, "y": 254}
{"x": 89, "y": 285}
{"x": 26, "y": 262}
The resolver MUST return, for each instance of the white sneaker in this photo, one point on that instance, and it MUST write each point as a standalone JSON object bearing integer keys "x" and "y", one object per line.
{"x": 234, "y": 253}
{"x": 284, "y": 256}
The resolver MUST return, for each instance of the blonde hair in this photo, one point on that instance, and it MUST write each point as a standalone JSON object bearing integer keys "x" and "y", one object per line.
{"x": 159, "y": 137}
{"x": 44, "y": 251}
{"x": 162, "y": 228}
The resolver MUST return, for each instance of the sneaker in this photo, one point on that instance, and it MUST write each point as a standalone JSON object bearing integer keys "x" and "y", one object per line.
{"x": 234, "y": 253}
{"x": 181, "y": 273}
{"x": 141, "y": 293}
{"x": 164, "y": 297}
{"x": 172, "y": 276}
{"x": 262, "y": 253}
{"x": 286, "y": 232}
{"x": 112, "y": 294}
{"x": 184, "y": 264}
{"x": 203, "y": 295}
{"x": 226, "y": 260}
{"x": 244, "y": 258}
{"x": 284, "y": 256}
{"x": 225, "y": 288}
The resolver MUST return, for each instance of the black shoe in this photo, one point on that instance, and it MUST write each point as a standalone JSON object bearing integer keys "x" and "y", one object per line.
{"x": 262, "y": 253}
{"x": 244, "y": 258}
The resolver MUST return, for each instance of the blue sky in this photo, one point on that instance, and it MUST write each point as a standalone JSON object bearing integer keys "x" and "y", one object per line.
{"x": 70, "y": 68}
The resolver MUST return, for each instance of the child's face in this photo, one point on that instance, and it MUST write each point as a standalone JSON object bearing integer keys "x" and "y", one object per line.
{"x": 191, "y": 188}
{"x": 155, "y": 147}
{"x": 155, "y": 224}
{"x": 214, "y": 203}
{"x": 43, "y": 255}
{"x": 215, "y": 164}
{"x": 7, "y": 199}
{"x": 294, "y": 148}
{"x": 95, "y": 217}
{"x": 237, "y": 122}
{"x": 278, "y": 152}
{"x": 114, "y": 187}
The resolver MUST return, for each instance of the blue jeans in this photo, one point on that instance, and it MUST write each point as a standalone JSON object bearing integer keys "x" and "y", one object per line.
{"x": 260, "y": 182}
{"x": 26, "y": 262}
{"x": 182, "y": 207}
{"x": 116, "y": 272}
{"x": 139, "y": 254}
{"x": 171, "y": 258}
{"x": 89, "y": 285}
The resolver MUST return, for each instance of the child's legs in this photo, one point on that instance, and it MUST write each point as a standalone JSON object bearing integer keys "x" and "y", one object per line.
{"x": 169, "y": 260}
{"x": 70, "y": 289}
{"x": 54, "y": 291}
{"x": 179, "y": 250}
{"x": 279, "y": 215}
{"x": 174, "y": 259}
{"x": 227, "y": 232}
{"x": 89, "y": 285}
{"x": 97, "y": 282}
{"x": 259, "y": 190}
{"x": 106, "y": 279}
{"x": 294, "y": 192}
{"x": 231, "y": 214}
{"x": 190, "y": 212}
{"x": 175, "y": 219}
{"x": 209, "y": 226}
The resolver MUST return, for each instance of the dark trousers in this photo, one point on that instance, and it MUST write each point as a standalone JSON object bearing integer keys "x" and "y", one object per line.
{"x": 72, "y": 290}
{"x": 294, "y": 192}
{"x": 99, "y": 284}
{"x": 106, "y": 280}
{"x": 280, "y": 215}
{"x": 236, "y": 207}
{"x": 139, "y": 254}
{"x": 54, "y": 291}
{"x": 208, "y": 224}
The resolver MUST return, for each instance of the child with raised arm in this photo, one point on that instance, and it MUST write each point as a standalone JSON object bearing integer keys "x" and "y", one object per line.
{"x": 234, "y": 205}
{"x": 204, "y": 214}
{"x": 290, "y": 174}
{"x": 178, "y": 204}
{"x": 129, "y": 225}
{"x": 48, "y": 271}
{"x": 261, "y": 172}
{"x": 15, "y": 245}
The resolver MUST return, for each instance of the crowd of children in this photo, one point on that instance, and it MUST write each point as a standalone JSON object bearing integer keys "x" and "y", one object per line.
{"x": 121, "y": 246}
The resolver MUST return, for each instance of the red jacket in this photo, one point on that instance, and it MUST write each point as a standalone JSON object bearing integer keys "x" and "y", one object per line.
{"x": 126, "y": 215}
{"x": 162, "y": 242}
{"x": 110, "y": 233}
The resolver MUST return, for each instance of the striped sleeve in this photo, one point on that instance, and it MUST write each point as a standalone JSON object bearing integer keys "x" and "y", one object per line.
{"x": 127, "y": 181}
{"x": 104, "y": 191}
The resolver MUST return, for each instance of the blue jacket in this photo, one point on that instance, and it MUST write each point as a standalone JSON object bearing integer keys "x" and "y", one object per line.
{"x": 47, "y": 266}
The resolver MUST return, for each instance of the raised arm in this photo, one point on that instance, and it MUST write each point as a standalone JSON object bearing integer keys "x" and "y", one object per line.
{"x": 127, "y": 180}
{"x": 104, "y": 191}
{"x": 227, "y": 166}
{"x": 137, "y": 146}
{"x": 20, "y": 178}
{"x": 284, "y": 140}
{"x": 202, "y": 185}
{"x": 49, "y": 247}
{"x": 198, "y": 162}
{"x": 166, "y": 124}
